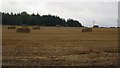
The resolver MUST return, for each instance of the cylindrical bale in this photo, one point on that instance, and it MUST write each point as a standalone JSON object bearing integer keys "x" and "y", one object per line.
{"x": 24, "y": 26}
{"x": 58, "y": 25}
{"x": 36, "y": 27}
{"x": 11, "y": 27}
{"x": 23, "y": 30}
{"x": 87, "y": 30}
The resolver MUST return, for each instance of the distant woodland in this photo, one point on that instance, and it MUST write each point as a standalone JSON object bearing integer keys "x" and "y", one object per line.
{"x": 24, "y": 18}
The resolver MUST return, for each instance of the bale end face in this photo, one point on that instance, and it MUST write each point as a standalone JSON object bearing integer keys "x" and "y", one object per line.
{"x": 23, "y": 30}
{"x": 36, "y": 28}
{"x": 58, "y": 25}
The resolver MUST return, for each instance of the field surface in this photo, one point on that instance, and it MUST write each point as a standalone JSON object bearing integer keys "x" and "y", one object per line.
{"x": 60, "y": 46}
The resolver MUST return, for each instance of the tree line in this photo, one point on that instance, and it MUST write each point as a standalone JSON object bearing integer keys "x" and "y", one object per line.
{"x": 24, "y": 18}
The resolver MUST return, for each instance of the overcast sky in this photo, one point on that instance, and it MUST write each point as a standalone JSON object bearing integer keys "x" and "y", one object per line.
{"x": 103, "y": 12}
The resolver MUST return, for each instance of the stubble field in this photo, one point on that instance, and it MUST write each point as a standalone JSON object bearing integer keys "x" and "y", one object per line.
{"x": 60, "y": 46}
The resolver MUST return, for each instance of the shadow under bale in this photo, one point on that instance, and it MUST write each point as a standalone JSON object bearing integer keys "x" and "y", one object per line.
{"x": 11, "y": 27}
{"x": 36, "y": 27}
{"x": 87, "y": 30}
{"x": 23, "y": 30}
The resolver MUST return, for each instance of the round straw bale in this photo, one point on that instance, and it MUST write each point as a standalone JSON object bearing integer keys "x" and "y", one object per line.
{"x": 36, "y": 27}
{"x": 11, "y": 27}
{"x": 87, "y": 30}
{"x": 23, "y": 30}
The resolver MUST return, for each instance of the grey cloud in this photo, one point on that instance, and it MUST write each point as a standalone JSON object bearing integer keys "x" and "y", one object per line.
{"x": 104, "y": 13}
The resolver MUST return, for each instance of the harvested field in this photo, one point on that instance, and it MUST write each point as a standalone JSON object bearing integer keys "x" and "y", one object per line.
{"x": 60, "y": 47}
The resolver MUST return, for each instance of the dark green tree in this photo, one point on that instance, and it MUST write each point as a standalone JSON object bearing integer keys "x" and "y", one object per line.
{"x": 24, "y": 18}
{"x": 73, "y": 23}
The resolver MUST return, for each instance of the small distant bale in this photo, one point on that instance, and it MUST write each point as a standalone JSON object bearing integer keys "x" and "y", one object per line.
{"x": 112, "y": 27}
{"x": 87, "y": 30}
{"x": 118, "y": 27}
{"x": 24, "y": 26}
{"x": 36, "y": 27}
{"x": 95, "y": 26}
{"x": 23, "y": 30}
{"x": 11, "y": 27}
{"x": 58, "y": 25}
